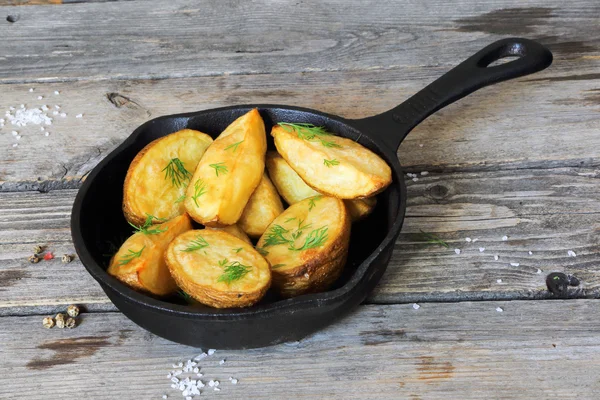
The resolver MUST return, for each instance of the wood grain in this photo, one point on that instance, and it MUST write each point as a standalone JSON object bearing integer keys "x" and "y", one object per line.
{"x": 137, "y": 39}
{"x": 530, "y": 123}
{"x": 439, "y": 351}
{"x": 547, "y": 212}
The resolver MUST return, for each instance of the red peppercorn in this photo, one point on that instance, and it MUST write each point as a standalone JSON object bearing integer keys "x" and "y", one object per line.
{"x": 48, "y": 256}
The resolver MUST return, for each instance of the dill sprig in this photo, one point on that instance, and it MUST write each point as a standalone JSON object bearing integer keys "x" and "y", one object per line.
{"x": 130, "y": 256}
{"x": 276, "y": 236}
{"x": 310, "y": 132}
{"x": 176, "y": 172}
{"x": 197, "y": 244}
{"x": 219, "y": 168}
{"x": 184, "y": 295}
{"x": 238, "y": 249}
{"x": 290, "y": 219}
{"x": 315, "y": 238}
{"x": 431, "y": 238}
{"x": 311, "y": 202}
{"x": 199, "y": 190}
{"x": 180, "y": 199}
{"x": 145, "y": 228}
{"x": 330, "y": 163}
{"x": 234, "y": 146}
{"x": 233, "y": 271}
{"x": 277, "y": 266}
{"x": 262, "y": 251}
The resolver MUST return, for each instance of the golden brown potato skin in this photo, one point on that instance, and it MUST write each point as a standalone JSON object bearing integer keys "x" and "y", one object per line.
{"x": 146, "y": 189}
{"x": 262, "y": 208}
{"x": 197, "y": 272}
{"x": 234, "y": 230}
{"x": 149, "y": 272}
{"x": 315, "y": 269}
{"x": 293, "y": 189}
{"x": 228, "y": 173}
{"x": 348, "y": 171}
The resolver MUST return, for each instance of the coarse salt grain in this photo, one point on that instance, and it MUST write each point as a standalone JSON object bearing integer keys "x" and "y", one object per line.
{"x": 47, "y": 134}
{"x": 57, "y": 106}
{"x": 63, "y": 114}
{"x": 496, "y": 257}
{"x": 217, "y": 383}
{"x": 499, "y": 309}
{"x": 164, "y": 396}
{"x": 25, "y": 116}
{"x": 14, "y": 133}
{"x": 571, "y": 253}
{"x": 498, "y": 280}
{"x": 196, "y": 370}
{"x": 424, "y": 173}
{"x": 504, "y": 238}
{"x": 416, "y": 306}
{"x": 217, "y": 389}
{"x": 221, "y": 362}
{"x": 415, "y": 179}
{"x": 515, "y": 264}
{"x": 44, "y": 108}
{"x": 15, "y": 144}
{"x": 30, "y": 90}
{"x": 56, "y": 92}
{"x": 54, "y": 112}
{"x": 211, "y": 383}
{"x": 420, "y": 145}
{"x": 530, "y": 253}
{"x": 201, "y": 356}
{"x": 211, "y": 352}
{"x": 188, "y": 397}
{"x": 468, "y": 240}
{"x": 474, "y": 240}
{"x": 539, "y": 271}
{"x": 457, "y": 251}
{"x": 79, "y": 116}
{"x": 234, "y": 381}
{"x": 40, "y": 97}
{"x": 481, "y": 249}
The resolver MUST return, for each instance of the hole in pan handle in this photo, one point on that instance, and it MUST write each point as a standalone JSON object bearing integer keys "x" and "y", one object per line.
{"x": 392, "y": 126}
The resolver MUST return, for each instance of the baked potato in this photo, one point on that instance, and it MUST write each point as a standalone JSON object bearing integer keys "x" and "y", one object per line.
{"x": 228, "y": 173}
{"x": 140, "y": 262}
{"x": 218, "y": 269}
{"x": 331, "y": 164}
{"x": 234, "y": 230}
{"x": 293, "y": 189}
{"x": 158, "y": 176}
{"x": 307, "y": 245}
{"x": 262, "y": 208}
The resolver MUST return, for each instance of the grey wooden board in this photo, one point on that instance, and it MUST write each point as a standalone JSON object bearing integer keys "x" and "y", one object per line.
{"x": 541, "y": 121}
{"x": 547, "y": 212}
{"x": 141, "y": 39}
{"x": 545, "y": 350}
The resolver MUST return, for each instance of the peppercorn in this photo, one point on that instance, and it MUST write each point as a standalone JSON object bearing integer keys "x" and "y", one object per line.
{"x": 66, "y": 258}
{"x": 34, "y": 259}
{"x": 48, "y": 322}
{"x": 38, "y": 249}
{"x": 60, "y": 320}
{"x": 73, "y": 311}
{"x": 70, "y": 323}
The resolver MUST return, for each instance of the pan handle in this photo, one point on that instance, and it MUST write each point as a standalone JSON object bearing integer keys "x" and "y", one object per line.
{"x": 392, "y": 126}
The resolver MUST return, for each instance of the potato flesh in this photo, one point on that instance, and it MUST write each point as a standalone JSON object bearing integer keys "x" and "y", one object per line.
{"x": 198, "y": 272}
{"x": 241, "y": 150}
{"x": 147, "y": 190}
{"x": 262, "y": 208}
{"x": 359, "y": 172}
{"x": 149, "y": 271}
{"x": 293, "y": 189}
{"x": 234, "y": 230}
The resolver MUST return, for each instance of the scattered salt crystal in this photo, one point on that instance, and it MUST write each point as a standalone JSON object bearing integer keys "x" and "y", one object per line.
{"x": 211, "y": 352}
{"x": 174, "y": 380}
{"x": 11, "y": 108}
{"x": 499, "y": 309}
{"x": 56, "y": 92}
{"x": 415, "y": 179}
{"x": 571, "y": 253}
{"x": 530, "y": 253}
{"x": 504, "y": 238}
{"x": 457, "y": 251}
{"x": 468, "y": 240}
{"x": 474, "y": 240}
{"x": 200, "y": 384}
{"x": 420, "y": 145}
{"x": 221, "y": 362}
{"x": 515, "y": 264}
{"x": 164, "y": 396}
{"x": 47, "y": 134}
{"x": 498, "y": 280}
{"x": 496, "y": 257}
{"x": 234, "y": 381}
{"x": 174, "y": 386}
{"x": 188, "y": 397}
{"x": 177, "y": 373}
{"x": 42, "y": 128}
{"x": 199, "y": 374}
{"x": 54, "y": 112}
{"x": 196, "y": 370}
{"x": 22, "y": 106}
{"x": 30, "y": 90}
{"x": 211, "y": 383}
{"x": 25, "y": 116}
{"x": 14, "y": 133}
{"x": 63, "y": 114}
{"x": 201, "y": 356}
{"x": 217, "y": 389}
{"x": 481, "y": 249}
{"x": 539, "y": 271}
{"x": 57, "y": 106}
{"x": 416, "y": 306}
{"x": 40, "y": 97}
{"x": 217, "y": 383}
{"x": 45, "y": 108}
{"x": 18, "y": 137}
{"x": 169, "y": 375}
{"x": 15, "y": 144}
{"x": 424, "y": 173}
{"x": 79, "y": 116}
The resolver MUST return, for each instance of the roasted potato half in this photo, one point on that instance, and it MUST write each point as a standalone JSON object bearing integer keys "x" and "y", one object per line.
{"x": 234, "y": 230}
{"x": 218, "y": 269}
{"x": 293, "y": 189}
{"x": 158, "y": 176}
{"x": 262, "y": 208}
{"x": 228, "y": 173}
{"x": 140, "y": 261}
{"x": 307, "y": 245}
{"x": 331, "y": 164}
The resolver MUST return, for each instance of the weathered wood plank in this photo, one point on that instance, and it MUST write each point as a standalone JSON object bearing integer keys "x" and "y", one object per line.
{"x": 533, "y": 349}
{"x": 523, "y": 124}
{"x": 102, "y": 40}
{"x": 547, "y": 212}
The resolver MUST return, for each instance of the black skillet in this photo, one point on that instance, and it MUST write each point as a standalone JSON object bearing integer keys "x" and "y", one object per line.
{"x": 98, "y": 225}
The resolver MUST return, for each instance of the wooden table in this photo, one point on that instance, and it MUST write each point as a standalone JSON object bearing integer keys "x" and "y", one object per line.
{"x": 520, "y": 159}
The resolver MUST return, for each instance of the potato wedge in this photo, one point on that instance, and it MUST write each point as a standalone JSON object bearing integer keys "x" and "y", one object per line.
{"x": 307, "y": 245}
{"x": 140, "y": 261}
{"x": 228, "y": 173}
{"x": 218, "y": 269}
{"x": 262, "y": 208}
{"x": 234, "y": 230}
{"x": 331, "y": 164}
{"x": 158, "y": 176}
{"x": 293, "y": 189}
